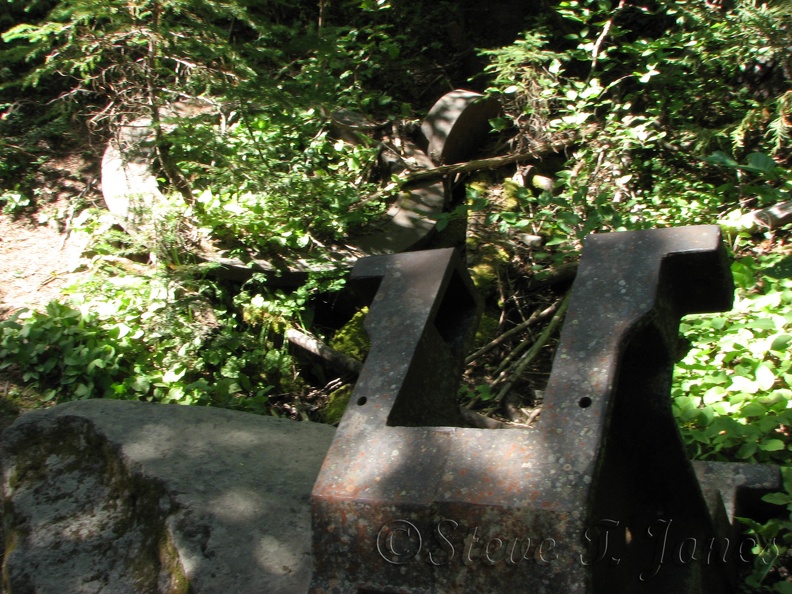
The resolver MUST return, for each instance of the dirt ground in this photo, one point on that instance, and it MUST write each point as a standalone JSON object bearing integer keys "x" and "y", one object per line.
{"x": 39, "y": 249}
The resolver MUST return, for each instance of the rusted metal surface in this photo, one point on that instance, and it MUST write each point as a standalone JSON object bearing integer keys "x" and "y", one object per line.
{"x": 598, "y": 497}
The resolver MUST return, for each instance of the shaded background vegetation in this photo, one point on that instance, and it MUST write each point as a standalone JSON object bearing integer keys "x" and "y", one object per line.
{"x": 626, "y": 116}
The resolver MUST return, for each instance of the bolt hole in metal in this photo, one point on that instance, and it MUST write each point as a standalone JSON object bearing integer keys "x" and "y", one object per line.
{"x": 584, "y": 402}
{"x": 362, "y": 400}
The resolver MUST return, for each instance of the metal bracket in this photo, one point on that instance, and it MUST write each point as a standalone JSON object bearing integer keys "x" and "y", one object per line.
{"x": 598, "y": 497}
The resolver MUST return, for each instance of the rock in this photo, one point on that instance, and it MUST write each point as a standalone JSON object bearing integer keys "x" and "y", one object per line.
{"x": 129, "y": 186}
{"x": 126, "y": 497}
{"x": 529, "y": 240}
{"x": 544, "y": 183}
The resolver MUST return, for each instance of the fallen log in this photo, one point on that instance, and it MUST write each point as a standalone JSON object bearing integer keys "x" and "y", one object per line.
{"x": 536, "y": 151}
{"x": 774, "y": 216}
{"x": 339, "y": 361}
{"x": 475, "y": 165}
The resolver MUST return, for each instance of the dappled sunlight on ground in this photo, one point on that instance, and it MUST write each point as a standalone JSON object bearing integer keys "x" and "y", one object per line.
{"x": 39, "y": 249}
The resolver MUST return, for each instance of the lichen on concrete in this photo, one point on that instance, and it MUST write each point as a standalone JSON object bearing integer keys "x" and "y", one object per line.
{"x": 78, "y": 512}
{"x": 127, "y": 497}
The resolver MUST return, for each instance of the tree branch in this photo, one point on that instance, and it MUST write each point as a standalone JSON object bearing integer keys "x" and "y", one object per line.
{"x": 526, "y": 359}
{"x": 337, "y": 360}
{"x": 537, "y": 151}
{"x": 605, "y": 30}
{"x": 535, "y": 318}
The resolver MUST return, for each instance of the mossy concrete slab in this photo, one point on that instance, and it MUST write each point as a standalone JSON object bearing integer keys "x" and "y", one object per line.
{"x": 458, "y": 125}
{"x": 408, "y": 223}
{"x": 121, "y": 497}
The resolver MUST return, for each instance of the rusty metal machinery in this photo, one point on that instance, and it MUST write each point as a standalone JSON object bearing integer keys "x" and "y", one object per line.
{"x": 598, "y": 496}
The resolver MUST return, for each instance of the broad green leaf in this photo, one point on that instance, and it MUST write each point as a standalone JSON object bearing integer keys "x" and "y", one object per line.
{"x": 83, "y": 390}
{"x": 717, "y": 323}
{"x": 685, "y": 403}
{"x": 768, "y": 425}
{"x": 765, "y": 378}
{"x": 140, "y": 384}
{"x": 747, "y": 450}
{"x": 100, "y": 363}
{"x": 772, "y": 445}
{"x": 782, "y": 587}
{"x": 753, "y": 409}
{"x": 743, "y": 384}
{"x": 769, "y": 301}
{"x": 721, "y": 158}
{"x": 174, "y": 374}
{"x": 707, "y": 415}
{"x": 761, "y": 162}
{"x": 780, "y": 342}
{"x": 713, "y": 395}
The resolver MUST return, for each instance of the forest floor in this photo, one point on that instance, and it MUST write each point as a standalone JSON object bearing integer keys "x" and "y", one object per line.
{"x": 41, "y": 252}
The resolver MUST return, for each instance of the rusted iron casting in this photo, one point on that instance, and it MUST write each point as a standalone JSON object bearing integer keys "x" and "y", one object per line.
{"x": 597, "y": 497}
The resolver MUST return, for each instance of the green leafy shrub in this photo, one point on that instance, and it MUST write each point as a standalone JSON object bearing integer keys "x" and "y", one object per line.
{"x": 773, "y": 541}
{"x": 279, "y": 184}
{"x": 66, "y": 353}
{"x": 113, "y": 59}
{"x": 145, "y": 338}
{"x": 269, "y": 177}
{"x": 13, "y": 202}
{"x": 648, "y": 92}
{"x": 732, "y": 391}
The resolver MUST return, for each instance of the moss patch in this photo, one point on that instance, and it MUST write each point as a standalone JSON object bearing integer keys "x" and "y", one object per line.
{"x": 170, "y": 563}
{"x": 487, "y": 330}
{"x": 488, "y": 261}
{"x": 510, "y": 199}
{"x": 352, "y": 339}
{"x": 336, "y": 405}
